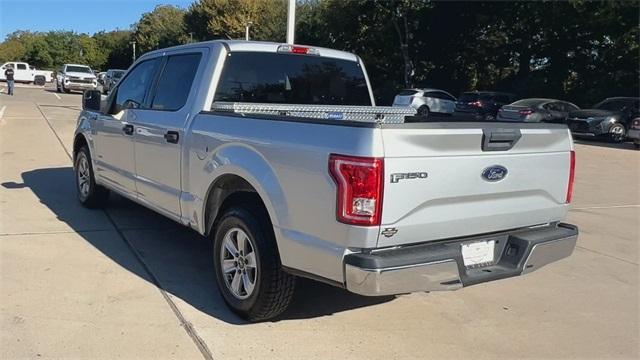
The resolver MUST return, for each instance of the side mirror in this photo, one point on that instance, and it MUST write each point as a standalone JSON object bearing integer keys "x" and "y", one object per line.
{"x": 91, "y": 100}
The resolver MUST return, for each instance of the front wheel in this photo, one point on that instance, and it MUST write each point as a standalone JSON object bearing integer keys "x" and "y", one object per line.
{"x": 90, "y": 194}
{"x": 247, "y": 265}
{"x": 617, "y": 133}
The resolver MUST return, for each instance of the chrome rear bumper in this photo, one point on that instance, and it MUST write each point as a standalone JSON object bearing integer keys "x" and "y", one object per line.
{"x": 439, "y": 266}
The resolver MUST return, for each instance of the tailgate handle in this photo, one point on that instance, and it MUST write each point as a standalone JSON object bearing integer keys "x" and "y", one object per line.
{"x": 499, "y": 139}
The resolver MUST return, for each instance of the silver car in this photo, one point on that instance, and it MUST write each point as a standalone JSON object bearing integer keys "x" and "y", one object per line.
{"x": 111, "y": 78}
{"x": 426, "y": 101}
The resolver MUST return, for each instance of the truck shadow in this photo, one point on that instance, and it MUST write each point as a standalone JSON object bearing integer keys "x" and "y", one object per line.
{"x": 178, "y": 259}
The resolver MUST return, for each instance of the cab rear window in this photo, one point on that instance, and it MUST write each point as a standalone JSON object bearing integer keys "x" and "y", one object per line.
{"x": 260, "y": 77}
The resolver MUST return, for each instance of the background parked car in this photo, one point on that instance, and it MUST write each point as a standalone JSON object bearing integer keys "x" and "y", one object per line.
{"x": 537, "y": 110}
{"x": 75, "y": 77}
{"x": 111, "y": 78}
{"x": 482, "y": 105}
{"x": 609, "y": 119}
{"x": 634, "y": 132}
{"x": 426, "y": 101}
{"x": 26, "y": 73}
{"x": 100, "y": 77}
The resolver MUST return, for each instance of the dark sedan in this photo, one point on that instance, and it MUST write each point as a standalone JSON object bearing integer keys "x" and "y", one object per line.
{"x": 537, "y": 110}
{"x": 481, "y": 105}
{"x": 609, "y": 119}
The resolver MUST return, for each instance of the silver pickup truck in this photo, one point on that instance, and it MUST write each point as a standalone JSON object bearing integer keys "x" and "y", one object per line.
{"x": 278, "y": 155}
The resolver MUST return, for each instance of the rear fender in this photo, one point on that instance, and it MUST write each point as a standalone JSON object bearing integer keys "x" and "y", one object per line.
{"x": 249, "y": 165}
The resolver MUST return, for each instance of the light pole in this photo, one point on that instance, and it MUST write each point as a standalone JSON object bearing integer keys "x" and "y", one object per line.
{"x": 291, "y": 21}
{"x": 191, "y": 37}
{"x": 133, "y": 45}
{"x": 247, "y": 25}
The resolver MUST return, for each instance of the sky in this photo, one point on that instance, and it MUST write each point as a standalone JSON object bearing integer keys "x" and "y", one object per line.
{"x": 82, "y": 16}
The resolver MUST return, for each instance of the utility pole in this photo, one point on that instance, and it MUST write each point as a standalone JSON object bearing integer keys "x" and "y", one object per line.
{"x": 133, "y": 44}
{"x": 191, "y": 37}
{"x": 247, "y": 25}
{"x": 291, "y": 21}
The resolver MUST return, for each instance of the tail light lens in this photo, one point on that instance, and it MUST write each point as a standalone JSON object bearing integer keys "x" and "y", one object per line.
{"x": 572, "y": 172}
{"x": 476, "y": 104}
{"x": 526, "y": 112}
{"x": 360, "y": 184}
{"x": 635, "y": 124}
{"x": 294, "y": 49}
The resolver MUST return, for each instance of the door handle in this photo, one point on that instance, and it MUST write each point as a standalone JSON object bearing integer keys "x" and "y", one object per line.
{"x": 172, "y": 137}
{"x": 127, "y": 129}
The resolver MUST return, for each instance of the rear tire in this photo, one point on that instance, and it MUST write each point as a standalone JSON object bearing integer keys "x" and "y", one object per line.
{"x": 39, "y": 80}
{"x": 617, "y": 133}
{"x": 90, "y": 194}
{"x": 250, "y": 276}
{"x": 423, "y": 111}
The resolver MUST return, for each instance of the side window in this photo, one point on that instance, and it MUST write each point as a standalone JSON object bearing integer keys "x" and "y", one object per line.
{"x": 22, "y": 67}
{"x": 570, "y": 107}
{"x": 136, "y": 85}
{"x": 446, "y": 96}
{"x": 554, "y": 106}
{"x": 175, "y": 82}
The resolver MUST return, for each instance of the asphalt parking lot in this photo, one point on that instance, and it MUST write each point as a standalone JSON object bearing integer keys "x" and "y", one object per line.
{"x": 126, "y": 283}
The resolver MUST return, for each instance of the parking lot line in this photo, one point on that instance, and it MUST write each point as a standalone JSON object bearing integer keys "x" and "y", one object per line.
{"x": 2, "y": 109}
{"x": 58, "y": 96}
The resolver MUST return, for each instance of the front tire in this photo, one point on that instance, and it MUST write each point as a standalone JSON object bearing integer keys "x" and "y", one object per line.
{"x": 617, "y": 133}
{"x": 247, "y": 265}
{"x": 90, "y": 194}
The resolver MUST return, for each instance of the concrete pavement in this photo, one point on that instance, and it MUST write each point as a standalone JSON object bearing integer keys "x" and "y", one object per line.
{"x": 127, "y": 283}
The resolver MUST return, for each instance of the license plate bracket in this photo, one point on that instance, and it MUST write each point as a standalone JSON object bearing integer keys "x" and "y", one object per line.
{"x": 478, "y": 253}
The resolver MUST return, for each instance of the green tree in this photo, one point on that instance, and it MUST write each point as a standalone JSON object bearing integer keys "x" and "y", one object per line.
{"x": 226, "y": 19}
{"x": 160, "y": 28}
{"x": 117, "y": 46}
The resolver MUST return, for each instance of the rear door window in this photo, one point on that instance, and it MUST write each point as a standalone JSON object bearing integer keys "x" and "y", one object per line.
{"x": 261, "y": 77}
{"x": 175, "y": 81}
{"x": 407, "y": 92}
{"x": 22, "y": 67}
{"x": 440, "y": 95}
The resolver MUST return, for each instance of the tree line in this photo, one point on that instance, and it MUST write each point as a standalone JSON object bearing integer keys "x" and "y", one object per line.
{"x": 577, "y": 50}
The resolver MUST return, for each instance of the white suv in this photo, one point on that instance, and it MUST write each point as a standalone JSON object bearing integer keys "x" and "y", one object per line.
{"x": 426, "y": 101}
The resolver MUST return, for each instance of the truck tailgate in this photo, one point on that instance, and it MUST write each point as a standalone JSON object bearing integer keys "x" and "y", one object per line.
{"x": 440, "y": 179}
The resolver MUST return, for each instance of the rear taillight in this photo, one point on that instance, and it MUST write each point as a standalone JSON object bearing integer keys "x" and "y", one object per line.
{"x": 635, "y": 124}
{"x": 525, "y": 112}
{"x": 360, "y": 182}
{"x": 476, "y": 104}
{"x": 572, "y": 172}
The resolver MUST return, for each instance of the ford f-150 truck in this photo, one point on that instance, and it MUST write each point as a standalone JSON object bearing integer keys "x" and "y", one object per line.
{"x": 278, "y": 155}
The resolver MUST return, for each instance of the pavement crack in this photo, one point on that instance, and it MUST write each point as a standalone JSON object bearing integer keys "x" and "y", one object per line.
{"x": 607, "y": 255}
{"x": 186, "y": 325}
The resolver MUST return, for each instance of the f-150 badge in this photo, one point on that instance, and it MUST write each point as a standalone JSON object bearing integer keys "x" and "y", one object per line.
{"x": 396, "y": 177}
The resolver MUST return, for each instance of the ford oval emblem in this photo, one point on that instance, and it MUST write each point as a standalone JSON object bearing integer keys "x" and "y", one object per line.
{"x": 494, "y": 173}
